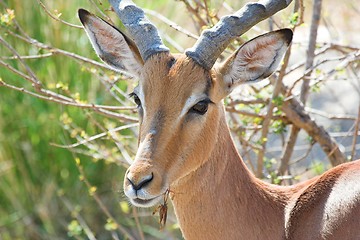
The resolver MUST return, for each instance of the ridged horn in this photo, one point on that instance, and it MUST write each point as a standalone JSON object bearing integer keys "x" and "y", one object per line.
{"x": 213, "y": 41}
{"x": 141, "y": 30}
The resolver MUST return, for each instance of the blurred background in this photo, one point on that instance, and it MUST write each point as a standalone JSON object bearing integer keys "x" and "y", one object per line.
{"x": 68, "y": 128}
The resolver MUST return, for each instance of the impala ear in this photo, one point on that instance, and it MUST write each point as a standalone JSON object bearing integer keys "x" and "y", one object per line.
{"x": 111, "y": 45}
{"x": 256, "y": 59}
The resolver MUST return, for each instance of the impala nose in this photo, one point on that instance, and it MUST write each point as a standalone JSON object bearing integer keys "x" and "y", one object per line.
{"x": 137, "y": 184}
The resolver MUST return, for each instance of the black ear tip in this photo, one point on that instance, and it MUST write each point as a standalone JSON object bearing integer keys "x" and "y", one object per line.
{"x": 83, "y": 14}
{"x": 288, "y": 34}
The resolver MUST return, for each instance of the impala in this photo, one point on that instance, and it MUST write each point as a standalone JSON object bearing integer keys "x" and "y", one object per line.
{"x": 185, "y": 144}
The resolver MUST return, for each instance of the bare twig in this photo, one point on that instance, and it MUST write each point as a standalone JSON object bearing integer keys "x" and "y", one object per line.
{"x": 297, "y": 114}
{"x": 54, "y": 50}
{"x": 100, "y": 202}
{"x": 299, "y": 8}
{"x": 292, "y": 137}
{"x": 330, "y": 115}
{"x": 171, "y": 23}
{"x": 138, "y": 226}
{"x": 288, "y": 150}
{"x": 79, "y": 218}
{"x": 32, "y": 77}
{"x": 29, "y": 57}
{"x": 53, "y": 97}
{"x": 42, "y": 5}
{"x": 355, "y": 136}
{"x": 311, "y": 48}
{"x": 92, "y": 138}
{"x": 278, "y": 89}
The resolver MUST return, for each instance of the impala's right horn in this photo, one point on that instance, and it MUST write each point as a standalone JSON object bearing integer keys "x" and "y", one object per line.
{"x": 213, "y": 41}
{"x": 141, "y": 30}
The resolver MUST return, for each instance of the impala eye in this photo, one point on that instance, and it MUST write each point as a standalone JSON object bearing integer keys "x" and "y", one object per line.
{"x": 201, "y": 107}
{"x": 136, "y": 99}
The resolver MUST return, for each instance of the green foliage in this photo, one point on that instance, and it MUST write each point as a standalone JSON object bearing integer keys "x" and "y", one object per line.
{"x": 7, "y": 17}
{"x": 278, "y": 101}
{"x": 74, "y": 229}
{"x": 294, "y": 19}
{"x": 269, "y": 165}
{"x": 45, "y": 190}
{"x": 52, "y": 192}
{"x": 278, "y": 127}
{"x": 318, "y": 167}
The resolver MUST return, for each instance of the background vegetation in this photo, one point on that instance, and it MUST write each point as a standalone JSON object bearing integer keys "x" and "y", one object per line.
{"x": 68, "y": 130}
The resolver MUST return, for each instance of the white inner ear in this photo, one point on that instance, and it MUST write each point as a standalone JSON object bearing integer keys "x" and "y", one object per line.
{"x": 111, "y": 46}
{"x": 255, "y": 60}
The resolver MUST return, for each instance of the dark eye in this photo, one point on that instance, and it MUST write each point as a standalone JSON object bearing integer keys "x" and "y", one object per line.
{"x": 201, "y": 107}
{"x": 136, "y": 99}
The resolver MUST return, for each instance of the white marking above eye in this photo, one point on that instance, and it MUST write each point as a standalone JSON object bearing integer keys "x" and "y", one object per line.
{"x": 190, "y": 102}
{"x": 140, "y": 94}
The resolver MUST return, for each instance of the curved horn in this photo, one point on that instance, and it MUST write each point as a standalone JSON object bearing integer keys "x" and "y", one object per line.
{"x": 141, "y": 30}
{"x": 213, "y": 41}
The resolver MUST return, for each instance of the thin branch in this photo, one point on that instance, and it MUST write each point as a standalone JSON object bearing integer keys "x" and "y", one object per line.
{"x": 171, "y": 23}
{"x": 255, "y": 115}
{"x": 307, "y": 73}
{"x": 100, "y": 203}
{"x": 305, "y": 155}
{"x": 92, "y": 138}
{"x": 137, "y": 222}
{"x": 330, "y": 115}
{"x": 79, "y": 218}
{"x": 96, "y": 108}
{"x": 355, "y": 136}
{"x": 347, "y": 60}
{"x": 291, "y": 139}
{"x": 278, "y": 89}
{"x": 42, "y": 5}
{"x": 296, "y": 113}
{"x": 299, "y": 8}
{"x": 288, "y": 150}
{"x": 54, "y": 50}
{"x": 310, "y": 54}
{"x": 248, "y": 101}
{"x": 33, "y": 78}
{"x": 28, "y": 57}
{"x": 195, "y": 14}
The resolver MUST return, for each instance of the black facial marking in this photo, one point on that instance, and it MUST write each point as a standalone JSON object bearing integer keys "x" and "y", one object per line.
{"x": 209, "y": 83}
{"x": 171, "y": 62}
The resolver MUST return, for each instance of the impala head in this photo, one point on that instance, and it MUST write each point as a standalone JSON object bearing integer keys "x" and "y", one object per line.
{"x": 178, "y": 96}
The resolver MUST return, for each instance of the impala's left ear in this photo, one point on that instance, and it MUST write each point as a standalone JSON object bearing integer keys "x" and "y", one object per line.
{"x": 255, "y": 60}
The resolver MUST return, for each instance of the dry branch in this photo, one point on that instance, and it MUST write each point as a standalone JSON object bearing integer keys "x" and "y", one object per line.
{"x": 296, "y": 113}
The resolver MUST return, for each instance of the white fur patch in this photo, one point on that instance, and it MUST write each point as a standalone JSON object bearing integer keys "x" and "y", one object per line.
{"x": 140, "y": 93}
{"x": 190, "y": 102}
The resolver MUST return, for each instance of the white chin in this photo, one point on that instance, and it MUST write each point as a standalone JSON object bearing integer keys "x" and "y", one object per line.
{"x": 145, "y": 203}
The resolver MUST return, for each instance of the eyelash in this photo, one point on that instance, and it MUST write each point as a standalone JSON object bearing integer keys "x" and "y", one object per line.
{"x": 201, "y": 107}
{"x": 137, "y": 100}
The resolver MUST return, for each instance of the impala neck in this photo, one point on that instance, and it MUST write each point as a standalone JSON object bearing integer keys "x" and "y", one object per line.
{"x": 223, "y": 194}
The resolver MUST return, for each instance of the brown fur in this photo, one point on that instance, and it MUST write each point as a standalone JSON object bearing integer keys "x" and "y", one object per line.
{"x": 214, "y": 194}
{"x": 306, "y": 215}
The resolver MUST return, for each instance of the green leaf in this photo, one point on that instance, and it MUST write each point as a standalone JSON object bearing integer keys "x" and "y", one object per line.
{"x": 74, "y": 228}
{"x": 7, "y": 18}
{"x": 294, "y": 19}
{"x": 124, "y": 207}
{"x": 111, "y": 225}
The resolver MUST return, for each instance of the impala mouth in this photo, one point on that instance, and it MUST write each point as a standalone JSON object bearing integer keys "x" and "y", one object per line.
{"x": 138, "y": 202}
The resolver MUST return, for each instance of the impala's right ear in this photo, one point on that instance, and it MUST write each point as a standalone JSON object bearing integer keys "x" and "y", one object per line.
{"x": 112, "y": 46}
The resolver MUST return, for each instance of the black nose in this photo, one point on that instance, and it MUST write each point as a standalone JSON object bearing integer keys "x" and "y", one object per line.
{"x": 142, "y": 183}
